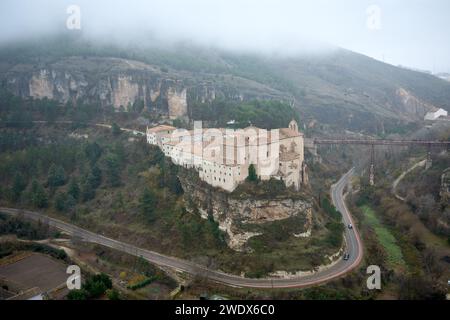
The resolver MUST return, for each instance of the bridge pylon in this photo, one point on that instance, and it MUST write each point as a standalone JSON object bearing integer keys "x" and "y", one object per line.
{"x": 372, "y": 166}
{"x": 429, "y": 161}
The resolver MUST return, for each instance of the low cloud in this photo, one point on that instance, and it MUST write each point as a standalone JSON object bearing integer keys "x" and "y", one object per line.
{"x": 406, "y": 32}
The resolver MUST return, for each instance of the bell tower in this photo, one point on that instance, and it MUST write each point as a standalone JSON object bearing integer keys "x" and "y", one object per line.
{"x": 293, "y": 125}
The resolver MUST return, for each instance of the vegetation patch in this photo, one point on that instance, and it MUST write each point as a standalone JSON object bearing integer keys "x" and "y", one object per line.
{"x": 261, "y": 113}
{"x": 9, "y": 247}
{"x": 94, "y": 287}
{"x": 385, "y": 237}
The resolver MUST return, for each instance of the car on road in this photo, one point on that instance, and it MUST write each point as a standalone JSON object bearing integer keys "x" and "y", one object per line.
{"x": 350, "y": 226}
{"x": 346, "y": 256}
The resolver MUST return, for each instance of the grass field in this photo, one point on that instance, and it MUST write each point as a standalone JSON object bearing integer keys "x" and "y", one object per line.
{"x": 385, "y": 237}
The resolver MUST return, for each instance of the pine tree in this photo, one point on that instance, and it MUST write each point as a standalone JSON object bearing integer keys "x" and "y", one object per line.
{"x": 95, "y": 177}
{"x": 19, "y": 185}
{"x": 74, "y": 189}
{"x": 93, "y": 152}
{"x": 87, "y": 191}
{"x": 39, "y": 197}
{"x": 147, "y": 204}
{"x": 56, "y": 176}
{"x": 115, "y": 129}
{"x": 112, "y": 170}
{"x": 60, "y": 202}
{"x": 252, "y": 176}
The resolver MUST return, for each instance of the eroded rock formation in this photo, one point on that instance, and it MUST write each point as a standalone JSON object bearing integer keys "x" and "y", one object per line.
{"x": 232, "y": 213}
{"x": 120, "y": 83}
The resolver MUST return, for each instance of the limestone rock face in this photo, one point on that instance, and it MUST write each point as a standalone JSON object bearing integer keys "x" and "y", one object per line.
{"x": 177, "y": 102}
{"x": 125, "y": 92}
{"x": 232, "y": 213}
{"x": 120, "y": 83}
{"x": 41, "y": 85}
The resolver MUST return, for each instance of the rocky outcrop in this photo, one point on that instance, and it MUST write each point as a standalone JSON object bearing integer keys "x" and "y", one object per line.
{"x": 234, "y": 214}
{"x": 177, "y": 102}
{"x": 125, "y": 92}
{"x": 41, "y": 85}
{"x": 330, "y": 261}
{"x": 120, "y": 83}
{"x": 119, "y": 87}
{"x": 409, "y": 104}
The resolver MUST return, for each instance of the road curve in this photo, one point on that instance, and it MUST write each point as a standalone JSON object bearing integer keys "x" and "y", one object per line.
{"x": 340, "y": 268}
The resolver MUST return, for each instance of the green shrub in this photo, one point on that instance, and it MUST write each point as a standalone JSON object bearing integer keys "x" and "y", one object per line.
{"x": 143, "y": 283}
{"x": 112, "y": 294}
{"x": 330, "y": 209}
{"x": 78, "y": 295}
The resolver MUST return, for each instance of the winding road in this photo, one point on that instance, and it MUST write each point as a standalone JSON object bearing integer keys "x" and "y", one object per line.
{"x": 352, "y": 239}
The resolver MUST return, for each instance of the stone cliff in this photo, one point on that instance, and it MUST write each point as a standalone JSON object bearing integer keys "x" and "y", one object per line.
{"x": 120, "y": 83}
{"x": 233, "y": 214}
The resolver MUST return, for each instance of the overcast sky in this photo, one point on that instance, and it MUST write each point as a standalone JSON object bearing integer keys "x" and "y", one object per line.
{"x": 413, "y": 33}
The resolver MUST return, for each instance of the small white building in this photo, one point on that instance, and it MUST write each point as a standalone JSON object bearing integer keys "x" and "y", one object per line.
{"x": 434, "y": 115}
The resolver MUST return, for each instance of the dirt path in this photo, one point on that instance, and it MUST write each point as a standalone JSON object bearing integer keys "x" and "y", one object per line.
{"x": 403, "y": 175}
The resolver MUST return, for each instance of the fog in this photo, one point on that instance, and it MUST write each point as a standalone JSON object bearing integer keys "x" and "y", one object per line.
{"x": 412, "y": 33}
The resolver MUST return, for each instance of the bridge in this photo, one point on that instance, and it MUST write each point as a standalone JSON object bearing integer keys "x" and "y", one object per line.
{"x": 380, "y": 142}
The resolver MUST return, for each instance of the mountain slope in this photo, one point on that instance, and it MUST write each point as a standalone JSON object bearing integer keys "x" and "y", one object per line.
{"x": 339, "y": 88}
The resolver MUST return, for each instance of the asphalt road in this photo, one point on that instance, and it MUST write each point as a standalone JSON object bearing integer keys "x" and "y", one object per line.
{"x": 353, "y": 244}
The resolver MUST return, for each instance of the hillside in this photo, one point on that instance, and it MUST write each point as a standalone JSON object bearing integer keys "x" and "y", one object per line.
{"x": 339, "y": 88}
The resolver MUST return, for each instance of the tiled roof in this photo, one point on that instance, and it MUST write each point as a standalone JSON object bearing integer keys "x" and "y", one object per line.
{"x": 160, "y": 128}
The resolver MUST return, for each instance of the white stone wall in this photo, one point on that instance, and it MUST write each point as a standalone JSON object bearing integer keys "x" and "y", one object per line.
{"x": 151, "y": 138}
{"x": 221, "y": 176}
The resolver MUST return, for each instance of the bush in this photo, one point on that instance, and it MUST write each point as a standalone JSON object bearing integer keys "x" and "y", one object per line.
{"x": 330, "y": 209}
{"x": 97, "y": 285}
{"x": 78, "y": 295}
{"x": 112, "y": 294}
{"x": 334, "y": 237}
{"x": 23, "y": 229}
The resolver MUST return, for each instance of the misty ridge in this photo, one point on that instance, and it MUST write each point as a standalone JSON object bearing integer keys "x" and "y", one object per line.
{"x": 291, "y": 52}
{"x": 161, "y": 24}
{"x": 394, "y": 32}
